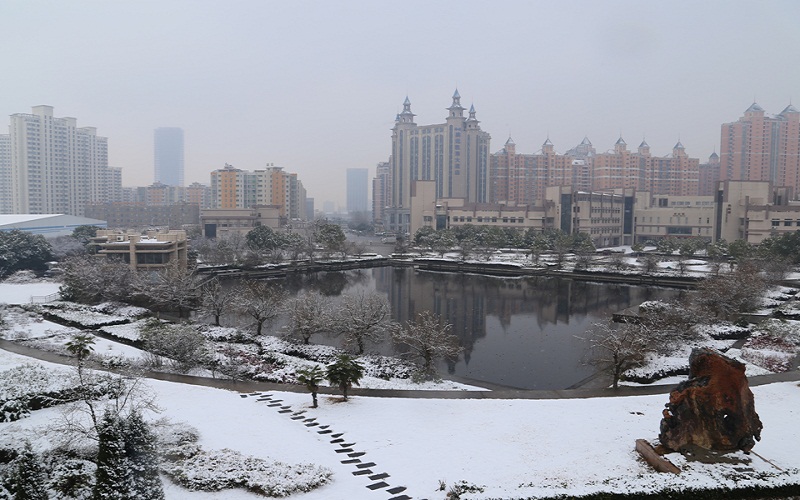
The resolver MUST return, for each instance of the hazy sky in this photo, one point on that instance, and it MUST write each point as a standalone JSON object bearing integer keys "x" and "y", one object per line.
{"x": 314, "y": 86}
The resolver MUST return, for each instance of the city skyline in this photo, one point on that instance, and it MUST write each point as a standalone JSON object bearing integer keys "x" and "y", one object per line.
{"x": 270, "y": 82}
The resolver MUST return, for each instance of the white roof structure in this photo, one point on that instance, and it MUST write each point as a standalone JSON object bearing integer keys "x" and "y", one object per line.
{"x": 48, "y": 225}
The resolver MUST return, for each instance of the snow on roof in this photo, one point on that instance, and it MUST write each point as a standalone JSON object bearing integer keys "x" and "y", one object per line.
{"x": 19, "y": 218}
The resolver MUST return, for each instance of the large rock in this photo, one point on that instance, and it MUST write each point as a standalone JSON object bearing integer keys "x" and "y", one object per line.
{"x": 713, "y": 409}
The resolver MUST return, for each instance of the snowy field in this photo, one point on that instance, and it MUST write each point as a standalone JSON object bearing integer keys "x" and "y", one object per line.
{"x": 21, "y": 293}
{"x": 509, "y": 448}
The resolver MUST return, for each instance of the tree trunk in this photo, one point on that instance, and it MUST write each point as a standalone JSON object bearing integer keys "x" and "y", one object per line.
{"x": 216, "y": 319}
{"x": 314, "y": 398}
{"x": 343, "y": 387}
{"x": 360, "y": 345}
{"x": 259, "y": 324}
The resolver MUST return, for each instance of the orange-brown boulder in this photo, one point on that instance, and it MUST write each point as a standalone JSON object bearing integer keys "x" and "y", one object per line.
{"x": 714, "y": 409}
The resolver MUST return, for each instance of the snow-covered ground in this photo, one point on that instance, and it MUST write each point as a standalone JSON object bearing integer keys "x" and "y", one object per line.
{"x": 510, "y": 448}
{"x": 21, "y": 293}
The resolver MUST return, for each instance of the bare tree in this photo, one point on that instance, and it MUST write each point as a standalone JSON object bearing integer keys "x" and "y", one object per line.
{"x": 309, "y": 314}
{"x": 649, "y": 263}
{"x": 173, "y": 287}
{"x": 216, "y": 299}
{"x": 260, "y": 301}
{"x": 363, "y": 317}
{"x": 730, "y": 294}
{"x": 615, "y": 347}
{"x": 428, "y": 339}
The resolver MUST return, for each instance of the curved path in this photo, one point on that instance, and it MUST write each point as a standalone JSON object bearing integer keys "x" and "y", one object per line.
{"x": 247, "y": 386}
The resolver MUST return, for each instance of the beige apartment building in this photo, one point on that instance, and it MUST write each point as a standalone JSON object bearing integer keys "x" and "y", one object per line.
{"x": 233, "y": 188}
{"x": 762, "y": 147}
{"x": 223, "y": 222}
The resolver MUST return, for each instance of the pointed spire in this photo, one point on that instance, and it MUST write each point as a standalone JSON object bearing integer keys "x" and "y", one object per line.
{"x": 586, "y": 141}
{"x": 456, "y": 108}
{"x": 510, "y": 141}
{"x": 456, "y": 95}
{"x": 547, "y": 142}
{"x": 644, "y": 144}
{"x": 678, "y": 145}
{"x": 789, "y": 109}
{"x": 406, "y": 102}
{"x": 754, "y": 108}
{"x": 406, "y": 116}
{"x": 714, "y": 155}
{"x": 620, "y": 141}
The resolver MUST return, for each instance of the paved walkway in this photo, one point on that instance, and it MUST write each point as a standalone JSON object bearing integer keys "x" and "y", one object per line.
{"x": 247, "y": 386}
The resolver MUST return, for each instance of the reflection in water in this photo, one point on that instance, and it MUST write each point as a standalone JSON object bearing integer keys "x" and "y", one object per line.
{"x": 519, "y": 332}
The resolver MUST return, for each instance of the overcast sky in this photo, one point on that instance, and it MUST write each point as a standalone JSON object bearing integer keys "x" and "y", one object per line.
{"x": 314, "y": 86}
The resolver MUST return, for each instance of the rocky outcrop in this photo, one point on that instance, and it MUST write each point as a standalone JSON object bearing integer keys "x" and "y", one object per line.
{"x": 714, "y": 409}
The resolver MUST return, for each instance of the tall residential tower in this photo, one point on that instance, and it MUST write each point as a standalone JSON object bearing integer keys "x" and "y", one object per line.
{"x": 56, "y": 166}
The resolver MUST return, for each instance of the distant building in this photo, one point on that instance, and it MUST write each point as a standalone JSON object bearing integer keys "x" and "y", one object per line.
{"x": 357, "y": 189}
{"x": 145, "y": 216}
{"x": 708, "y": 175}
{"x": 223, "y": 222}
{"x": 381, "y": 192}
{"x": 233, "y": 188}
{"x": 168, "y": 155}
{"x": 151, "y": 251}
{"x": 48, "y": 225}
{"x": 309, "y": 208}
{"x": 56, "y": 166}
{"x": 5, "y": 174}
{"x": 453, "y": 154}
{"x": 761, "y": 147}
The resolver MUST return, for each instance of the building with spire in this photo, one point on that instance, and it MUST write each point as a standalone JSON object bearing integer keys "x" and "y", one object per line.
{"x": 453, "y": 154}
{"x": 762, "y": 147}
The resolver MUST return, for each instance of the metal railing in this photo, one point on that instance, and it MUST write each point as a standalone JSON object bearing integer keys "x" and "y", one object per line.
{"x": 43, "y": 299}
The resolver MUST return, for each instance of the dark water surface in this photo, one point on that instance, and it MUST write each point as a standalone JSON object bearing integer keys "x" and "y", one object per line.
{"x": 517, "y": 332}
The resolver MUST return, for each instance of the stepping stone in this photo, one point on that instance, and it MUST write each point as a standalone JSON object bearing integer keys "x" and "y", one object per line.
{"x": 397, "y": 489}
{"x": 311, "y": 424}
{"x": 345, "y": 450}
{"x": 368, "y": 464}
{"x": 278, "y": 400}
{"x": 353, "y": 455}
{"x": 311, "y": 419}
{"x": 338, "y": 435}
{"x": 401, "y": 497}
{"x": 351, "y": 461}
{"x": 286, "y": 407}
{"x": 362, "y": 472}
{"x": 334, "y": 441}
{"x": 257, "y": 394}
{"x": 299, "y": 412}
{"x": 324, "y": 432}
{"x": 324, "y": 426}
{"x": 347, "y": 445}
{"x": 382, "y": 475}
{"x": 297, "y": 418}
{"x": 285, "y": 411}
{"x": 273, "y": 405}
{"x": 377, "y": 486}
{"x": 243, "y": 395}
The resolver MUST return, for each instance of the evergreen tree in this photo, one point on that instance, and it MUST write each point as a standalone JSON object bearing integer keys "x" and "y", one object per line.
{"x": 345, "y": 372}
{"x": 140, "y": 451}
{"x": 113, "y": 477}
{"x": 28, "y": 476}
{"x": 311, "y": 377}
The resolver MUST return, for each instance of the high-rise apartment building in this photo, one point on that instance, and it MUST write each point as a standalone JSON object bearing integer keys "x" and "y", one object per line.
{"x": 708, "y": 175}
{"x": 521, "y": 179}
{"x": 168, "y": 155}
{"x": 381, "y": 191}
{"x": 5, "y": 174}
{"x": 233, "y": 188}
{"x": 357, "y": 189}
{"x": 454, "y": 154}
{"x": 56, "y": 166}
{"x": 761, "y": 147}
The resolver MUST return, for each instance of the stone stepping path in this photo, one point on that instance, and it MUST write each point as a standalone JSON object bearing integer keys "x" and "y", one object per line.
{"x": 363, "y": 469}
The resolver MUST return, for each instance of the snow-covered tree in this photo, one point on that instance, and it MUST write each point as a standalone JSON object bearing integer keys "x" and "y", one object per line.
{"x": 615, "y": 347}
{"x": 331, "y": 237}
{"x": 28, "y": 476}
{"x": 362, "y": 317}
{"x": 142, "y": 458}
{"x": 113, "y": 478}
{"x": 311, "y": 377}
{"x": 309, "y": 314}
{"x": 23, "y": 250}
{"x": 260, "y": 301}
{"x": 428, "y": 339}
{"x": 91, "y": 280}
{"x": 216, "y": 299}
{"x": 730, "y": 294}
{"x": 345, "y": 372}
{"x": 173, "y": 288}
{"x": 181, "y": 343}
